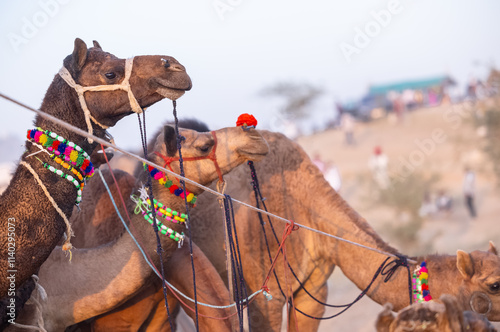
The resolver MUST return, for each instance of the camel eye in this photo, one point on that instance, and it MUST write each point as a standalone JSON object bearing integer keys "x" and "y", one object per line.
{"x": 110, "y": 75}
{"x": 495, "y": 287}
{"x": 205, "y": 148}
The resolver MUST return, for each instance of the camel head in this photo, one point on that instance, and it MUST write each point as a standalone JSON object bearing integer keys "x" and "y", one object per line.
{"x": 480, "y": 288}
{"x": 432, "y": 316}
{"x": 152, "y": 78}
{"x": 204, "y": 152}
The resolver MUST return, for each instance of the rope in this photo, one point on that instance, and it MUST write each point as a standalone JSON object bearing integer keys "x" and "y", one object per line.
{"x": 149, "y": 185}
{"x": 69, "y": 232}
{"x": 400, "y": 261}
{"x": 188, "y": 221}
{"x": 236, "y": 263}
{"x": 147, "y": 258}
{"x": 80, "y": 90}
{"x": 213, "y": 192}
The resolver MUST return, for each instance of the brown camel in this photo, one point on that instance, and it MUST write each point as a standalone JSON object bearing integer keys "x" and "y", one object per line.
{"x": 31, "y": 226}
{"x": 433, "y": 317}
{"x": 295, "y": 189}
{"x": 99, "y": 279}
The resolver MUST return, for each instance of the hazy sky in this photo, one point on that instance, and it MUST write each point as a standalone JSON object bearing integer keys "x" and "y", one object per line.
{"x": 234, "y": 48}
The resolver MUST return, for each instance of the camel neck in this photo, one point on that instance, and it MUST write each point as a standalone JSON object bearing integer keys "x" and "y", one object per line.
{"x": 62, "y": 102}
{"x": 27, "y": 203}
{"x": 358, "y": 264}
{"x": 91, "y": 298}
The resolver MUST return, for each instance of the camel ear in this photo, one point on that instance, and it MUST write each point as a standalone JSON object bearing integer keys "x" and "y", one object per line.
{"x": 385, "y": 319}
{"x": 453, "y": 312}
{"x": 464, "y": 264}
{"x": 96, "y": 44}
{"x": 493, "y": 249}
{"x": 170, "y": 139}
{"x": 79, "y": 55}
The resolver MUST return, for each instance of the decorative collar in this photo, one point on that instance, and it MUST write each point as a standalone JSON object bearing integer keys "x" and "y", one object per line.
{"x": 174, "y": 189}
{"x": 420, "y": 284}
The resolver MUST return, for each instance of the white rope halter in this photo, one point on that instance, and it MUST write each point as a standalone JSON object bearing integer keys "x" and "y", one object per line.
{"x": 80, "y": 90}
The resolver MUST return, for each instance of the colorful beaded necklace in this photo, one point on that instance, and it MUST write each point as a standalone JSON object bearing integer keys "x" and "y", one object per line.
{"x": 421, "y": 284}
{"x": 63, "y": 148}
{"x": 143, "y": 205}
{"x": 70, "y": 178}
{"x": 168, "y": 213}
{"x": 164, "y": 181}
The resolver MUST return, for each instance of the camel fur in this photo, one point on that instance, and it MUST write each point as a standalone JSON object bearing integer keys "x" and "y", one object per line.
{"x": 38, "y": 227}
{"x": 100, "y": 279}
{"x": 442, "y": 316}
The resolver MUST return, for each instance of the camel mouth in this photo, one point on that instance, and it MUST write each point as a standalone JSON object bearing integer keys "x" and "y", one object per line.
{"x": 172, "y": 90}
{"x": 172, "y": 94}
{"x": 254, "y": 155}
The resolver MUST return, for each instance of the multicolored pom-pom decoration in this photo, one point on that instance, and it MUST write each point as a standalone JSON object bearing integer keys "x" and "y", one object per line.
{"x": 164, "y": 181}
{"x": 246, "y": 120}
{"x": 420, "y": 284}
{"x": 61, "y": 147}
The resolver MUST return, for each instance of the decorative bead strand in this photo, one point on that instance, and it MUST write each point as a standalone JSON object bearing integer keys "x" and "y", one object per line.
{"x": 176, "y": 236}
{"x": 68, "y": 151}
{"x": 67, "y": 177}
{"x": 164, "y": 181}
{"x": 168, "y": 213}
{"x": 69, "y": 168}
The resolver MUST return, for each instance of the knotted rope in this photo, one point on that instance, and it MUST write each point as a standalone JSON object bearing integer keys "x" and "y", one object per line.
{"x": 80, "y": 90}
{"x": 67, "y": 246}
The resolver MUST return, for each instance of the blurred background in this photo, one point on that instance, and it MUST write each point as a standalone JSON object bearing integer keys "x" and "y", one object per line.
{"x": 396, "y": 101}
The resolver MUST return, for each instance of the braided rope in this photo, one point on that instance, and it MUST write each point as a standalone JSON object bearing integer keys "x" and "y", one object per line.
{"x": 67, "y": 246}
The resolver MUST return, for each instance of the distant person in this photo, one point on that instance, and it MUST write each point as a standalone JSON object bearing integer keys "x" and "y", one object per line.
{"x": 347, "y": 125}
{"x": 340, "y": 112}
{"x": 332, "y": 175}
{"x": 378, "y": 165}
{"x": 443, "y": 202}
{"x": 428, "y": 208}
{"x": 469, "y": 191}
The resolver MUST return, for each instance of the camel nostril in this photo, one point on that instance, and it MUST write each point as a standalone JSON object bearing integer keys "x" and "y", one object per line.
{"x": 165, "y": 62}
{"x": 177, "y": 67}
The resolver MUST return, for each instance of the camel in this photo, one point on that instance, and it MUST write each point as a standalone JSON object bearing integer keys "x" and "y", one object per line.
{"x": 295, "y": 189}
{"x": 443, "y": 316}
{"x": 100, "y": 279}
{"x": 33, "y": 224}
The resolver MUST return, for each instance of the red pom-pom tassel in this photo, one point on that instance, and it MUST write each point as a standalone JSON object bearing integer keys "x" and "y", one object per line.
{"x": 246, "y": 119}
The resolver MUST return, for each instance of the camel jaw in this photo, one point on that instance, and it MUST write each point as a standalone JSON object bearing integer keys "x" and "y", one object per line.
{"x": 165, "y": 89}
